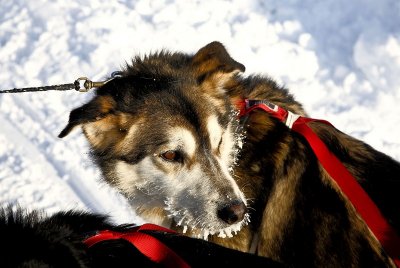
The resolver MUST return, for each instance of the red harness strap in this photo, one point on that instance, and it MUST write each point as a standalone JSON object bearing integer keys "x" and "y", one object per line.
{"x": 364, "y": 205}
{"x": 146, "y": 244}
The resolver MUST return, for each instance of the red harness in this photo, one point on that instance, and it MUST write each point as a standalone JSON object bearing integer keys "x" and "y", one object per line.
{"x": 146, "y": 244}
{"x": 364, "y": 205}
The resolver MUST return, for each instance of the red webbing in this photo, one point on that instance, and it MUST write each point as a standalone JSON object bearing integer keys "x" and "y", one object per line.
{"x": 146, "y": 244}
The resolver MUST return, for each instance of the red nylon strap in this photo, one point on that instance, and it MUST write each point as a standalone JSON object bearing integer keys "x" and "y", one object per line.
{"x": 146, "y": 244}
{"x": 364, "y": 205}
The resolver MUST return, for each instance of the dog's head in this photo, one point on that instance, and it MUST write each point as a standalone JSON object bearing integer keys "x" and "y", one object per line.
{"x": 165, "y": 134}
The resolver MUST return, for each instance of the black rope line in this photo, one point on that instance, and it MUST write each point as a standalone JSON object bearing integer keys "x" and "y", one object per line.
{"x": 62, "y": 87}
{"x": 82, "y": 84}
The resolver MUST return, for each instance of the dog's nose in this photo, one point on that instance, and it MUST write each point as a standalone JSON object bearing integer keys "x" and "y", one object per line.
{"x": 232, "y": 212}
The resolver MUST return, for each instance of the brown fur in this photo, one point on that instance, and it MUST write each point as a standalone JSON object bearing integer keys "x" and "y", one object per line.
{"x": 297, "y": 211}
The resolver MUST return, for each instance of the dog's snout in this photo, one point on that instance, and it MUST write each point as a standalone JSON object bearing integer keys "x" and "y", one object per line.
{"x": 232, "y": 212}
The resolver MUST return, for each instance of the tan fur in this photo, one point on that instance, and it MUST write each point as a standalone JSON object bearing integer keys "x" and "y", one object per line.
{"x": 278, "y": 212}
{"x": 113, "y": 130}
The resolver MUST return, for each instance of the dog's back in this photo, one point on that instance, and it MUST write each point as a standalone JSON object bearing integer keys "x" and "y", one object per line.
{"x": 32, "y": 240}
{"x": 36, "y": 240}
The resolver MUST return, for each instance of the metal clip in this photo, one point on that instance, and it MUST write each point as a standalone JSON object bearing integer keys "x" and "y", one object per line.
{"x": 84, "y": 84}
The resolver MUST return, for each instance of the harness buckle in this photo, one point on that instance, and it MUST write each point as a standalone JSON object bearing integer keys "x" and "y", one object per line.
{"x": 270, "y": 105}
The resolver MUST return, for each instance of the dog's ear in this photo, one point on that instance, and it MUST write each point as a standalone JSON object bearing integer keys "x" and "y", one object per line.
{"x": 101, "y": 122}
{"x": 214, "y": 59}
{"x": 95, "y": 110}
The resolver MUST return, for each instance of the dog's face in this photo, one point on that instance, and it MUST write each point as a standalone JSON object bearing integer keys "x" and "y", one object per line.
{"x": 166, "y": 136}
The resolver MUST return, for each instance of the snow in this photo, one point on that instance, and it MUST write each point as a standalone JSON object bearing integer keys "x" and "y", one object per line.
{"x": 340, "y": 58}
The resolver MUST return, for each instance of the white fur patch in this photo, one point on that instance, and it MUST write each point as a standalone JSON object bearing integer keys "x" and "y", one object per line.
{"x": 215, "y": 131}
{"x": 142, "y": 183}
{"x": 141, "y": 176}
{"x": 126, "y": 174}
{"x": 227, "y": 147}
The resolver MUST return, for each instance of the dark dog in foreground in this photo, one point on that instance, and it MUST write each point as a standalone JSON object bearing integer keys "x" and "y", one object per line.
{"x": 33, "y": 240}
{"x": 167, "y": 135}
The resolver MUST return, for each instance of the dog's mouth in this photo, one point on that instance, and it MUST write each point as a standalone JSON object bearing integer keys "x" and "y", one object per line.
{"x": 200, "y": 227}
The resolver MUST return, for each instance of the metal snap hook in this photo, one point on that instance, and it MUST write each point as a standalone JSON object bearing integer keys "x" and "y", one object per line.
{"x": 84, "y": 84}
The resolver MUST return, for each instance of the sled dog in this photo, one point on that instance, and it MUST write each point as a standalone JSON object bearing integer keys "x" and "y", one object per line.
{"x": 167, "y": 134}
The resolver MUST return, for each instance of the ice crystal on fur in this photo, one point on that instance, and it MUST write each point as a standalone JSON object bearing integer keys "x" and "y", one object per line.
{"x": 239, "y": 136}
{"x": 199, "y": 229}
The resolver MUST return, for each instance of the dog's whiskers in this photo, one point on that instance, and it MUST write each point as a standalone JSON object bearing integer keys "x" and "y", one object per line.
{"x": 251, "y": 208}
{"x": 200, "y": 227}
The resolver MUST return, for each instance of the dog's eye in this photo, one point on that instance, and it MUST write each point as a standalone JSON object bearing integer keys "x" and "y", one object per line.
{"x": 172, "y": 156}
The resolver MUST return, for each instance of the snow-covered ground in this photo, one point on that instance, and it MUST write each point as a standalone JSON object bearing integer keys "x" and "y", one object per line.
{"x": 340, "y": 58}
